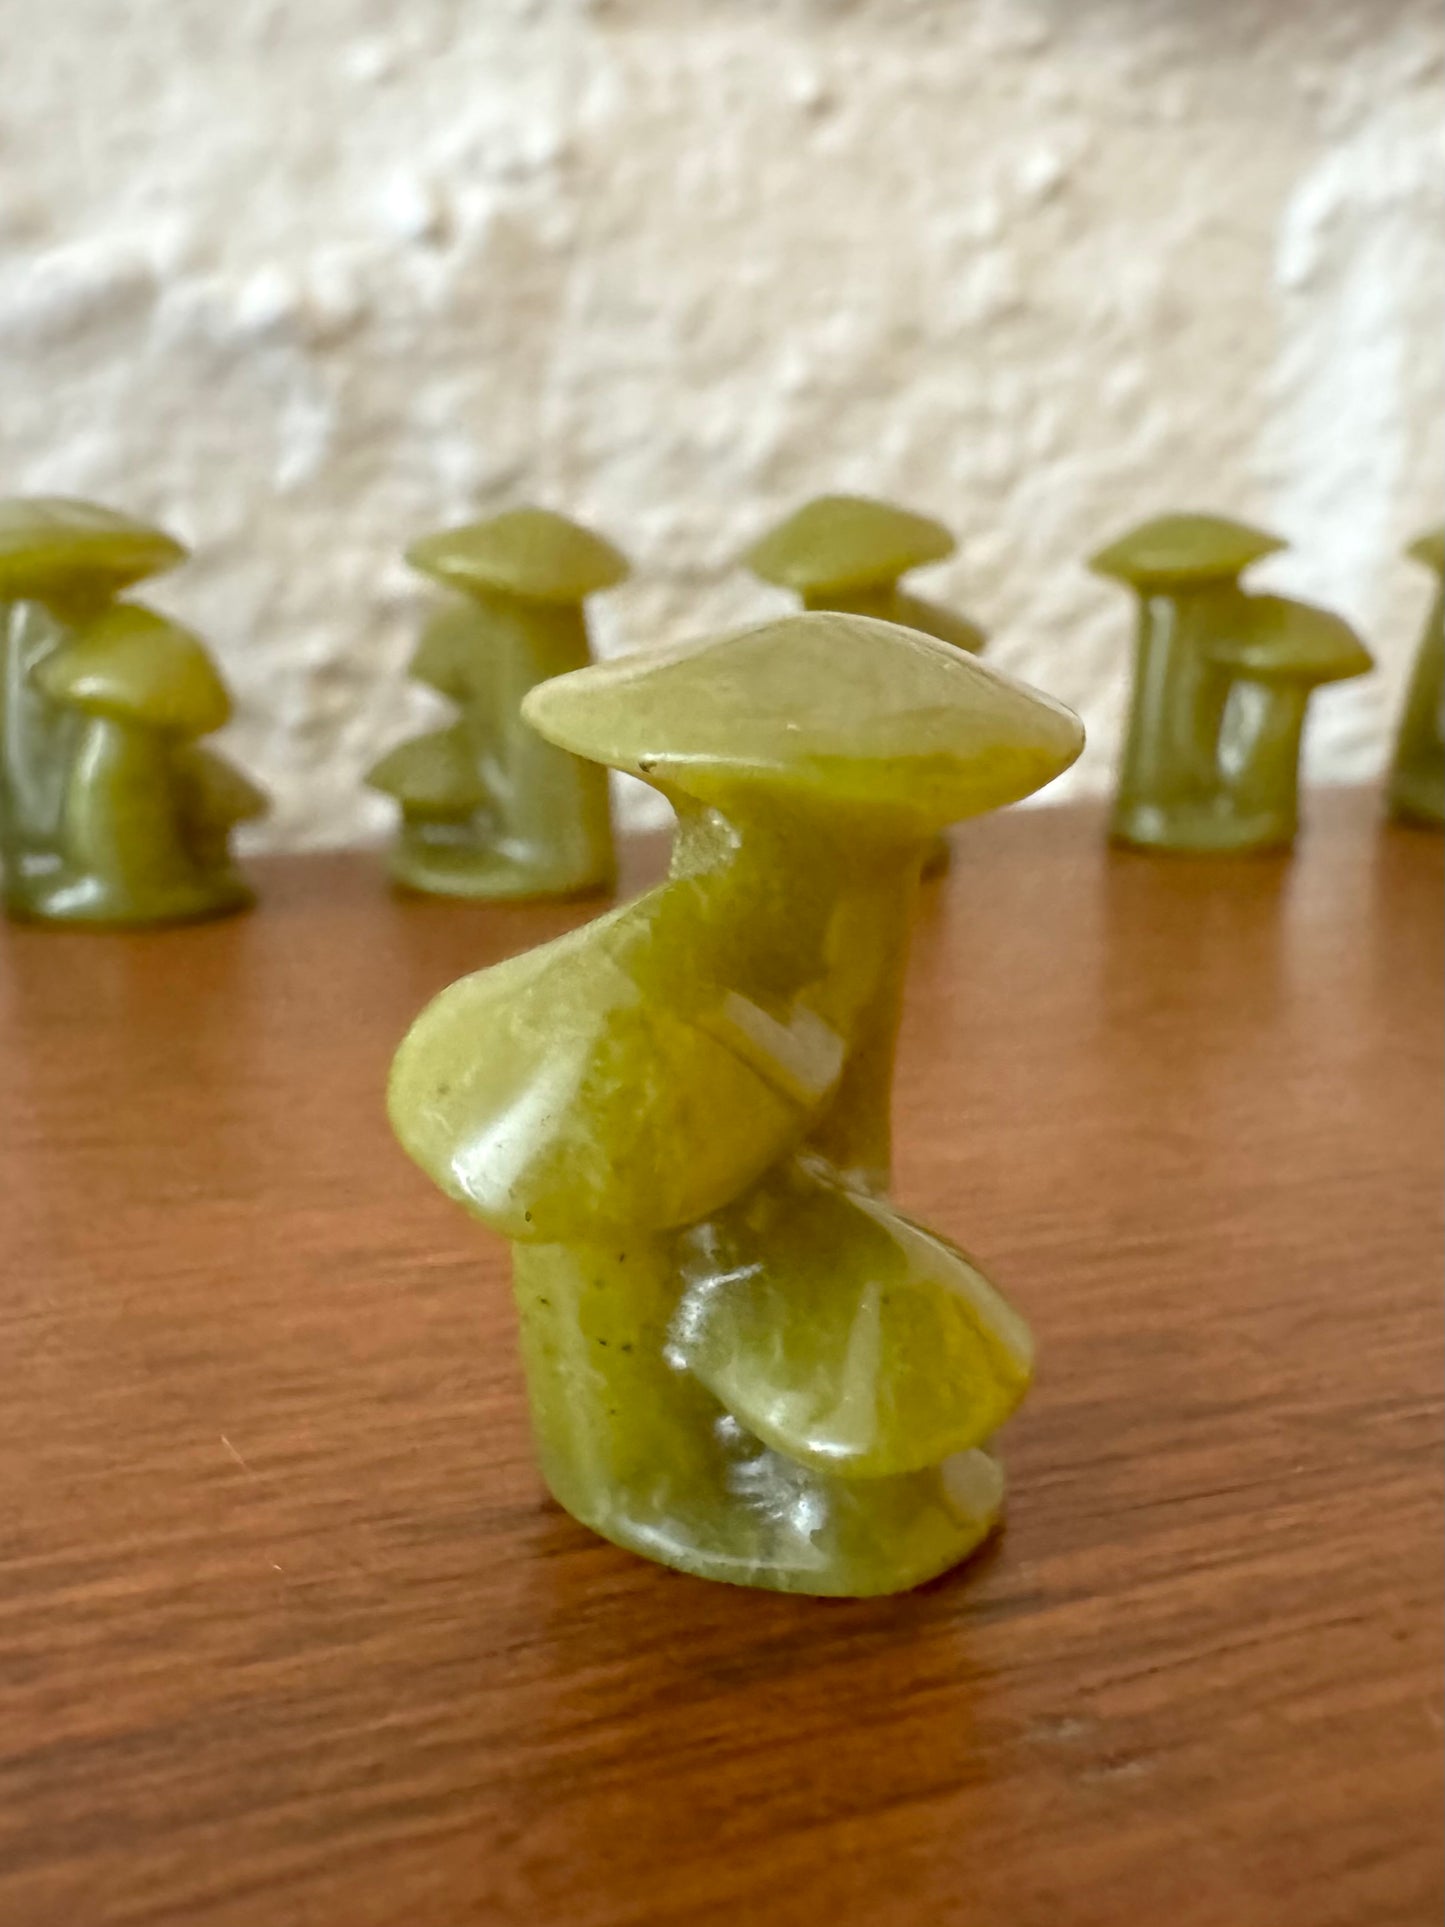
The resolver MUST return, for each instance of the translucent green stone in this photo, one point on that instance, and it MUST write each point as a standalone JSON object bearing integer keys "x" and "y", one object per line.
{"x": 111, "y": 810}
{"x": 846, "y": 553}
{"x": 742, "y": 1360}
{"x": 1417, "y": 771}
{"x": 488, "y": 808}
{"x": 1222, "y": 682}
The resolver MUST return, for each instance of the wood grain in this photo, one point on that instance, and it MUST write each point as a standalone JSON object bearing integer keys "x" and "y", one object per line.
{"x": 288, "y": 1635}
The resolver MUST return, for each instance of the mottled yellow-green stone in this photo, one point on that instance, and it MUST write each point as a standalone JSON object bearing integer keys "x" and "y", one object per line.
{"x": 1417, "y": 771}
{"x": 846, "y": 553}
{"x": 742, "y": 1360}
{"x": 488, "y": 808}
{"x": 110, "y": 811}
{"x": 1222, "y": 681}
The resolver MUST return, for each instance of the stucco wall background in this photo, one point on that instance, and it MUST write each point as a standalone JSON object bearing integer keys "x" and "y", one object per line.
{"x": 304, "y": 281}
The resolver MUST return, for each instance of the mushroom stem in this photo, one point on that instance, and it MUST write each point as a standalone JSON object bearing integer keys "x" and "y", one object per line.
{"x": 36, "y": 736}
{"x": 805, "y": 981}
{"x": 552, "y": 807}
{"x": 917, "y": 612}
{"x": 454, "y": 656}
{"x": 857, "y": 1136}
{"x": 120, "y": 821}
{"x": 1259, "y": 753}
{"x": 1417, "y": 773}
{"x": 806, "y": 888}
{"x": 877, "y": 599}
{"x": 891, "y": 602}
{"x": 1179, "y": 698}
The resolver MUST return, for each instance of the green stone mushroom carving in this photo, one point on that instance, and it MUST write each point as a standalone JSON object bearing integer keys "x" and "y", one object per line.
{"x": 110, "y": 811}
{"x": 1222, "y": 678}
{"x": 488, "y": 809}
{"x": 742, "y": 1360}
{"x": 847, "y": 553}
{"x": 1417, "y": 772}
{"x": 1274, "y": 658}
{"x": 147, "y": 813}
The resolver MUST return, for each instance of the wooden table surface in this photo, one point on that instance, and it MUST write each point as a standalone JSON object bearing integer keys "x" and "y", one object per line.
{"x": 289, "y": 1635}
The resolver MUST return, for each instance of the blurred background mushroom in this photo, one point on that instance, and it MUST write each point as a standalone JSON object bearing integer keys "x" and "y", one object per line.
{"x": 847, "y": 553}
{"x": 1274, "y": 658}
{"x": 1417, "y": 769}
{"x": 145, "y": 820}
{"x": 61, "y": 563}
{"x": 488, "y": 808}
{"x": 1185, "y": 571}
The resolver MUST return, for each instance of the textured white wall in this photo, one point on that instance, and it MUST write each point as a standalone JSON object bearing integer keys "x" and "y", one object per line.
{"x": 302, "y": 281}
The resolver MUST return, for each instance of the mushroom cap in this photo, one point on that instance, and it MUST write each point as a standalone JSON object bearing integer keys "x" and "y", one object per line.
{"x": 846, "y": 542}
{"x": 528, "y": 552}
{"x": 48, "y": 542}
{"x": 1174, "y": 551}
{"x": 1429, "y": 548}
{"x": 135, "y": 666}
{"x": 220, "y": 793}
{"x": 433, "y": 775}
{"x": 1281, "y": 640}
{"x": 837, "y": 711}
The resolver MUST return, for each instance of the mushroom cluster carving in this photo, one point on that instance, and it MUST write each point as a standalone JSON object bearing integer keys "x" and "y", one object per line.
{"x": 112, "y": 810}
{"x": 1222, "y": 681}
{"x": 742, "y": 1359}
{"x": 488, "y": 808}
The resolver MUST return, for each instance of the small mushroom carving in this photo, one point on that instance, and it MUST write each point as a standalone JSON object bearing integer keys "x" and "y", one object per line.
{"x": 742, "y": 1360}
{"x": 488, "y": 809}
{"x": 147, "y": 811}
{"x": 1221, "y": 681}
{"x": 1417, "y": 769}
{"x": 1274, "y": 658}
{"x": 1185, "y": 570}
{"x": 62, "y": 562}
{"x": 847, "y": 553}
